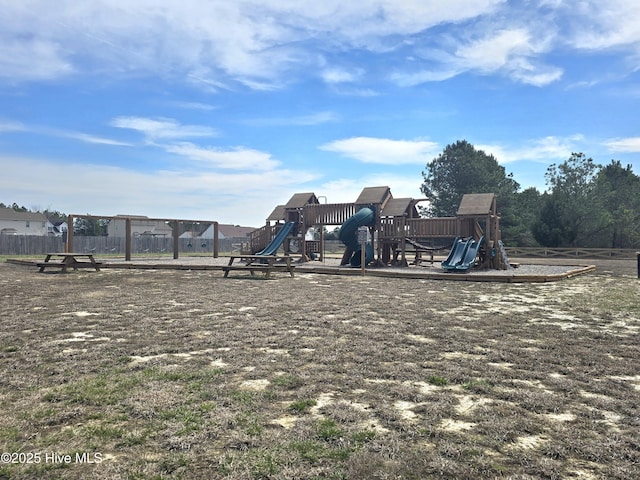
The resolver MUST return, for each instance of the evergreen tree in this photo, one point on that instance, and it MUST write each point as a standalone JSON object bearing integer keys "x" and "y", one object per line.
{"x": 573, "y": 215}
{"x": 462, "y": 169}
{"x": 619, "y": 190}
{"x": 526, "y": 209}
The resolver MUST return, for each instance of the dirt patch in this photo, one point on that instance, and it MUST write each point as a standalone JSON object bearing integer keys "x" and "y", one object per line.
{"x": 185, "y": 374}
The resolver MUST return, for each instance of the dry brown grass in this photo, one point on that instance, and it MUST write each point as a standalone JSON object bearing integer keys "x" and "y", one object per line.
{"x": 178, "y": 374}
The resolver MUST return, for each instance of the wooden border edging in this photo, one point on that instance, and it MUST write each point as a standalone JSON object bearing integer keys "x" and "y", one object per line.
{"x": 459, "y": 277}
{"x": 374, "y": 272}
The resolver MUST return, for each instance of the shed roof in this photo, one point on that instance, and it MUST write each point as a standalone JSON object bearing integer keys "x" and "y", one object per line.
{"x": 374, "y": 195}
{"x": 299, "y": 200}
{"x": 477, "y": 204}
{"x": 397, "y": 207}
{"x": 277, "y": 214}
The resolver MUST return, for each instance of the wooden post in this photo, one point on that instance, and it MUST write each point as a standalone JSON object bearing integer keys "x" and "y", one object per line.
{"x": 175, "y": 231}
{"x": 492, "y": 245}
{"x": 69, "y": 245}
{"x": 127, "y": 240}
{"x": 403, "y": 241}
{"x": 302, "y": 220}
{"x": 496, "y": 238}
{"x": 216, "y": 240}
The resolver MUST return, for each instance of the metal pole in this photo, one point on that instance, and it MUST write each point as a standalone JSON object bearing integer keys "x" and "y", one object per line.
{"x": 362, "y": 240}
{"x": 638, "y": 255}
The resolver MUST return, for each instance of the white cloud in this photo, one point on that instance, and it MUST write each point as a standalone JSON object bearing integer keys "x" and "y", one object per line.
{"x": 510, "y": 51}
{"x": 162, "y": 128}
{"x": 405, "y": 79}
{"x": 193, "y": 106}
{"x": 384, "y": 150}
{"x": 9, "y": 126}
{"x": 31, "y": 59}
{"x": 380, "y": 18}
{"x": 213, "y": 41}
{"x": 542, "y": 150}
{"x": 238, "y": 158}
{"x": 356, "y": 92}
{"x": 84, "y": 137}
{"x": 624, "y": 145}
{"x": 336, "y": 75}
{"x": 302, "y": 120}
{"x": 537, "y": 76}
{"x": 493, "y": 52}
{"x": 269, "y": 44}
{"x": 195, "y": 194}
{"x": 600, "y": 25}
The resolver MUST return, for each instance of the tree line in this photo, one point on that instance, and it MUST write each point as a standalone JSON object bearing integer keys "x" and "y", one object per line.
{"x": 585, "y": 204}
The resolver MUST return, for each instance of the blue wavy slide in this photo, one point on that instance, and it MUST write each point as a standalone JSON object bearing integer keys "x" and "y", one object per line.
{"x": 272, "y": 248}
{"x": 349, "y": 235}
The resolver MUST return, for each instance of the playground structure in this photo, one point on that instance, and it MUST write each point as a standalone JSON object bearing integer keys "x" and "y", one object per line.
{"x": 395, "y": 227}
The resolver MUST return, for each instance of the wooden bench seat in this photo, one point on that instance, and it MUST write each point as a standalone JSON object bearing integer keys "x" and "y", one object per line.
{"x": 73, "y": 265}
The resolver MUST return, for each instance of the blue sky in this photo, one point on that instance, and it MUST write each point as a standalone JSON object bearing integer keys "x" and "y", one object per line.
{"x": 217, "y": 109}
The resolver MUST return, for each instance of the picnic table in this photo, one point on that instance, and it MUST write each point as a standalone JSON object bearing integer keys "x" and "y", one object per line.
{"x": 260, "y": 263}
{"x": 69, "y": 260}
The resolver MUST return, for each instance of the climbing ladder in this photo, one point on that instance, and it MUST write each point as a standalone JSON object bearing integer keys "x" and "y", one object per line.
{"x": 504, "y": 258}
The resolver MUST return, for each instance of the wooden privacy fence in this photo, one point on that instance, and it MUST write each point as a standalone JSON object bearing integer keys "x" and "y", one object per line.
{"x": 29, "y": 244}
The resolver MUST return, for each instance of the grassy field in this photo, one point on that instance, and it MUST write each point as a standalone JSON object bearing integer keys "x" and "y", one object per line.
{"x": 125, "y": 374}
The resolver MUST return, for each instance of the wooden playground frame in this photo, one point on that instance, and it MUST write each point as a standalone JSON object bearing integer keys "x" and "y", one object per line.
{"x": 397, "y": 229}
{"x": 128, "y": 231}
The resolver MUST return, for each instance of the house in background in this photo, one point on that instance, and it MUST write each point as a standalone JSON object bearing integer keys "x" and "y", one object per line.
{"x": 235, "y": 232}
{"x": 14, "y": 222}
{"x": 140, "y": 225}
{"x": 57, "y": 229}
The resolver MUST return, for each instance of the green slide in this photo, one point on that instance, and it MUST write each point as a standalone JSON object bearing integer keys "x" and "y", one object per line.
{"x": 272, "y": 248}
{"x": 463, "y": 254}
